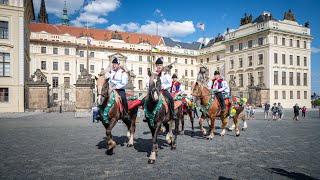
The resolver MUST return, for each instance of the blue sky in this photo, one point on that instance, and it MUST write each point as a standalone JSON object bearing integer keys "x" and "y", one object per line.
{"x": 178, "y": 19}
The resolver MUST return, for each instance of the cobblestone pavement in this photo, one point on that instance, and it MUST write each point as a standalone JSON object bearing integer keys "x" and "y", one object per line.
{"x": 60, "y": 146}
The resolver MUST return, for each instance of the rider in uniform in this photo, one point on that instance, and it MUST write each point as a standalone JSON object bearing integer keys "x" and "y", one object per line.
{"x": 220, "y": 87}
{"x": 175, "y": 85}
{"x": 118, "y": 79}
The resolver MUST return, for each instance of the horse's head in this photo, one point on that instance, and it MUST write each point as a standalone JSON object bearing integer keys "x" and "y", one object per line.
{"x": 154, "y": 85}
{"x": 196, "y": 89}
{"x": 102, "y": 89}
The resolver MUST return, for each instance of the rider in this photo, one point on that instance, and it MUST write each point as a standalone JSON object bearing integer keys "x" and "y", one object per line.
{"x": 166, "y": 81}
{"x": 118, "y": 79}
{"x": 220, "y": 87}
{"x": 175, "y": 85}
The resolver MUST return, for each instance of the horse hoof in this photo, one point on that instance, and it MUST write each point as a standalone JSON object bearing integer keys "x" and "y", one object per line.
{"x": 181, "y": 133}
{"x": 243, "y": 129}
{"x": 209, "y": 138}
{"x": 173, "y": 148}
{"x": 237, "y": 135}
{"x": 221, "y": 134}
{"x": 129, "y": 145}
{"x": 151, "y": 161}
{"x": 229, "y": 129}
{"x": 110, "y": 152}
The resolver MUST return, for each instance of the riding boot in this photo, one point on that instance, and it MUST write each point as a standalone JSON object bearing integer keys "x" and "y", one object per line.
{"x": 174, "y": 115}
{"x": 223, "y": 105}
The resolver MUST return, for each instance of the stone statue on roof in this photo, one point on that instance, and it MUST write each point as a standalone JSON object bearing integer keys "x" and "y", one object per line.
{"x": 289, "y": 16}
{"x": 246, "y": 19}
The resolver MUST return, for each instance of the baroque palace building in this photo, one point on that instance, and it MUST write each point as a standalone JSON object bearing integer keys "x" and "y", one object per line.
{"x": 15, "y": 17}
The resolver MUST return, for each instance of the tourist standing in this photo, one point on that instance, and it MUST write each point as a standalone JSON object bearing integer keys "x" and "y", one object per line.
{"x": 266, "y": 110}
{"x": 296, "y": 110}
{"x": 274, "y": 111}
{"x": 303, "y": 110}
{"x": 280, "y": 111}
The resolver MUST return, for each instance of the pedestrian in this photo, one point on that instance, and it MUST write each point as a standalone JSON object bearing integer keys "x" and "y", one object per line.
{"x": 296, "y": 110}
{"x": 304, "y": 109}
{"x": 247, "y": 110}
{"x": 252, "y": 112}
{"x": 193, "y": 108}
{"x": 274, "y": 111}
{"x": 280, "y": 111}
{"x": 266, "y": 110}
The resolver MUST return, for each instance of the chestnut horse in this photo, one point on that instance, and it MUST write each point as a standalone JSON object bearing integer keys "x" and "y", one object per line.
{"x": 157, "y": 115}
{"x": 213, "y": 110}
{"x": 105, "y": 96}
{"x": 187, "y": 110}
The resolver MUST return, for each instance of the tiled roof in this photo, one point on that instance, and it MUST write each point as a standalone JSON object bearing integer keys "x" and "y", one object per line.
{"x": 171, "y": 43}
{"x": 262, "y": 18}
{"x": 98, "y": 34}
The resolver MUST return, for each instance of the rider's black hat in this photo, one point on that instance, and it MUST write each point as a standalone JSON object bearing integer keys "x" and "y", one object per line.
{"x": 216, "y": 72}
{"x": 159, "y": 60}
{"x": 174, "y": 76}
{"x": 115, "y": 61}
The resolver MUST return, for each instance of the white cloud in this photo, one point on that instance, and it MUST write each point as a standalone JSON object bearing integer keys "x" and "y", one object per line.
{"x": 55, "y": 7}
{"x": 315, "y": 50}
{"x": 206, "y": 40}
{"x": 165, "y": 28}
{"x": 95, "y": 12}
{"x": 158, "y": 12}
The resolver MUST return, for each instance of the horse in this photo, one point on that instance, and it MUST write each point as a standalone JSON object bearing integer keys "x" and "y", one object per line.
{"x": 186, "y": 111}
{"x": 109, "y": 98}
{"x": 157, "y": 114}
{"x": 211, "y": 109}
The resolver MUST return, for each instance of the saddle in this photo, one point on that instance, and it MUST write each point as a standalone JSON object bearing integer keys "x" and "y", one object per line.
{"x": 227, "y": 102}
{"x": 131, "y": 103}
{"x": 177, "y": 103}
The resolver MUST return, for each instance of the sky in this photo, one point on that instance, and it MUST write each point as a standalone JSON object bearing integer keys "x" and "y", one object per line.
{"x": 179, "y": 19}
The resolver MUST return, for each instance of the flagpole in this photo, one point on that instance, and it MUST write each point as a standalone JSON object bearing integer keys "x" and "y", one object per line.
{"x": 87, "y": 48}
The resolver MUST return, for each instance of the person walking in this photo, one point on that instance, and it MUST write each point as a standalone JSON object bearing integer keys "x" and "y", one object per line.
{"x": 193, "y": 108}
{"x": 247, "y": 110}
{"x": 303, "y": 110}
{"x": 274, "y": 111}
{"x": 266, "y": 110}
{"x": 280, "y": 111}
{"x": 252, "y": 112}
{"x": 296, "y": 110}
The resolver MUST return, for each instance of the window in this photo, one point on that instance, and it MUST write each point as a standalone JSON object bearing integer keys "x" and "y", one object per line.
{"x": 260, "y": 41}
{"x": 148, "y": 59}
{"x": 291, "y": 94}
{"x": 66, "y": 66}
{"x": 275, "y": 94}
{"x": 240, "y": 62}
{"x": 260, "y": 77}
{"x": 231, "y": 48}
{"x": 218, "y": 57}
{"x": 283, "y": 94}
{"x": 298, "y": 60}
{"x": 275, "y": 40}
{"x": 186, "y": 72}
{"x": 55, "y": 66}
{"x": 305, "y": 94}
{"x": 55, "y": 50}
{"x": 66, "y": 81}
{"x": 55, "y": 82}
{"x": 140, "y": 58}
{"x": 92, "y": 54}
{"x": 4, "y": 30}
{"x": 4, "y": 94}
{"x": 43, "y": 65}
{"x": 176, "y": 72}
{"x": 66, "y": 96}
{"x": 260, "y": 56}
{"x": 298, "y": 79}
{"x": 191, "y": 61}
{"x": 305, "y": 80}
{"x": 66, "y": 51}
{"x": 186, "y": 85}
{"x": 185, "y": 61}
{"x": 240, "y": 46}
{"x": 240, "y": 80}
{"x": 305, "y": 61}
{"x": 140, "y": 70}
{"x": 283, "y": 59}
{"x": 207, "y": 60}
{"x": 140, "y": 84}
{"x": 231, "y": 64}
{"x": 298, "y": 43}
{"x": 81, "y": 54}
{"x": 43, "y": 50}
{"x": 298, "y": 94}
{"x": 4, "y": 2}
{"x": 275, "y": 78}
{"x": 283, "y": 41}
{"x": 55, "y": 96}
{"x": 250, "y": 44}
{"x": 91, "y": 68}
{"x": 249, "y": 79}
{"x": 275, "y": 58}
{"x": 291, "y": 59}
{"x": 201, "y": 60}
{"x": 81, "y": 67}
{"x": 249, "y": 60}
{"x": 291, "y": 43}
{"x": 305, "y": 44}
{"x": 291, "y": 78}
{"x": 284, "y": 78}
{"x": 176, "y": 60}
{"x": 231, "y": 76}
{"x": 191, "y": 73}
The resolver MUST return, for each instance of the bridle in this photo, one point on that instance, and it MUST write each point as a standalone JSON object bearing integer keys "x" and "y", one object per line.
{"x": 200, "y": 97}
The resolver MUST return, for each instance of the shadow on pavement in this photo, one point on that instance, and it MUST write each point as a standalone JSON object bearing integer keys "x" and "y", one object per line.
{"x": 292, "y": 175}
{"x": 119, "y": 140}
{"x": 224, "y": 178}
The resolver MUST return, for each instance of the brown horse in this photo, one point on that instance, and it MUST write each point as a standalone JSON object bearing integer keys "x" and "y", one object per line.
{"x": 104, "y": 96}
{"x": 213, "y": 110}
{"x": 187, "y": 111}
{"x": 158, "y": 115}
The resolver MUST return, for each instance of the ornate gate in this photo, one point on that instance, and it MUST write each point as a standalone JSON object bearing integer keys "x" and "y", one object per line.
{"x": 62, "y": 98}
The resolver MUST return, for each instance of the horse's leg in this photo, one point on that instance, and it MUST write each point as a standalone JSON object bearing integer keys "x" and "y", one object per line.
{"x": 167, "y": 126}
{"x": 132, "y": 130}
{"x": 153, "y": 154}
{"x": 110, "y": 143}
{"x": 225, "y": 122}
{"x": 182, "y": 124}
{"x": 231, "y": 128}
{"x": 176, "y": 123}
{"x": 236, "y": 122}
{"x": 191, "y": 120}
{"x": 203, "y": 130}
{"x": 212, "y": 118}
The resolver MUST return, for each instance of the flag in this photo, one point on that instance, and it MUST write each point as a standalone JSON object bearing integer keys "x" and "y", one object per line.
{"x": 154, "y": 49}
{"x": 201, "y": 26}
{"x": 89, "y": 42}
